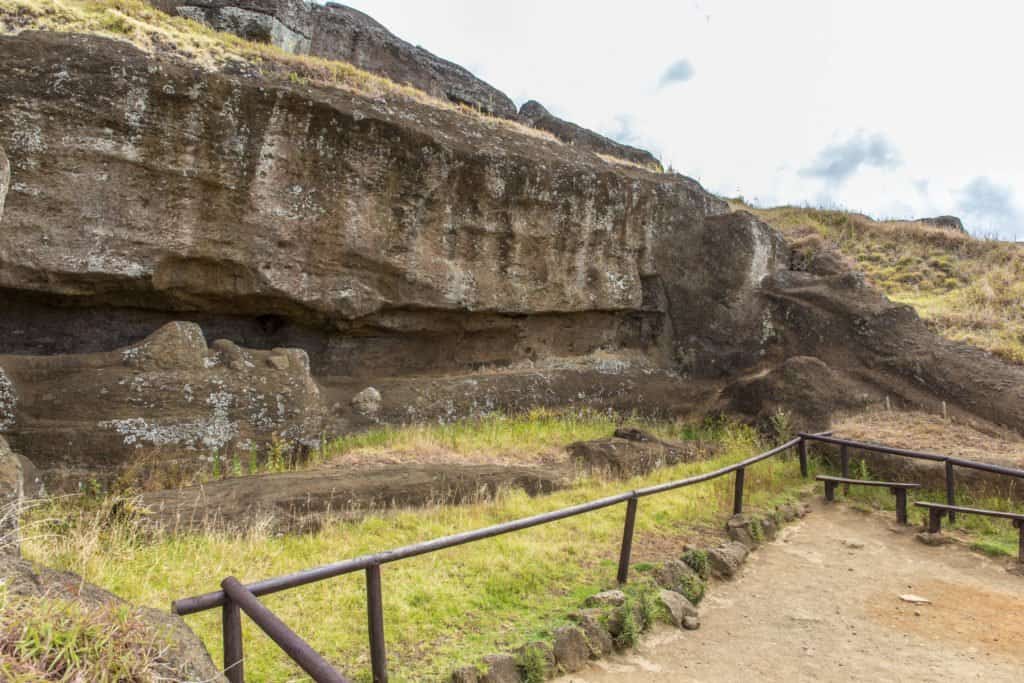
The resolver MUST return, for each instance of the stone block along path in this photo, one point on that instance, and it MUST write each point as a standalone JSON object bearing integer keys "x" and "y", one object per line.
{"x": 823, "y": 603}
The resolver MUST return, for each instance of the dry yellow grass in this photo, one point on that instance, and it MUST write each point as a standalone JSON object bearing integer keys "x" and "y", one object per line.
{"x": 967, "y": 289}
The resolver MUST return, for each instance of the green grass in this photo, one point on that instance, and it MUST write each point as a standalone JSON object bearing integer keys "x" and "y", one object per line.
{"x": 441, "y": 610}
{"x": 47, "y": 639}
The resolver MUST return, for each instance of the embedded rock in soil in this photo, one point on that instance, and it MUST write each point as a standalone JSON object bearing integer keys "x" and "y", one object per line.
{"x": 592, "y": 623}
{"x": 610, "y": 598}
{"x": 677, "y": 576}
{"x": 298, "y": 501}
{"x": 745, "y": 529}
{"x": 677, "y": 606}
{"x": 5, "y": 180}
{"x": 367, "y": 402}
{"x": 11, "y": 495}
{"x": 726, "y": 559}
{"x": 571, "y": 648}
{"x": 182, "y": 657}
{"x": 500, "y": 669}
{"x": 153, "y": 406}
{"x": 467, "y": 674}
{"x": 534, "y": 114}
{"x": 632, "y": 452}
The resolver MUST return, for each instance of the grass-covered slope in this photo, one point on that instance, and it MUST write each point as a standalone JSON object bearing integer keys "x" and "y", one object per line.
{"x": 967, "y": 289}
{"x": 441, "y": 610}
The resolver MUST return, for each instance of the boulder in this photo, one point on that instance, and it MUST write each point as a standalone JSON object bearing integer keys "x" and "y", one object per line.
{"x": 571, "y": 649}
{"x": 286, "y": 24}
{"x": 726, "y": 559}
{"x": 677, "y": 576}
{"x": 677, "y": 607}
{"x": 182, "y": 654}
{"x": 346, "y": 34}
{"x": 609, "y": 598}
{"x": 367, "y": 402}
{"x": 691, "y": 623}
{"x": 11, "y": 495}
{"x": 534, "y": 114}
{"x": 592, "y": 623}
{"x": 163, "y": 404}
{"x": 500, "y": 669}
{"x": 746, "y": 529}
{"x": 948, "y": 222}
{"x": 630, "y": 452}
{"x": 466, "y": 674}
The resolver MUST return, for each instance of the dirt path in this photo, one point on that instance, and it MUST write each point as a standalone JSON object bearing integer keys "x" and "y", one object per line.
{"x": 822, "y": 603}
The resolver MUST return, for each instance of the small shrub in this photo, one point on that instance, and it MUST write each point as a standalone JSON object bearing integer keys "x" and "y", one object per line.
{"x": 630, "y": 633}
{"x": 697, "y": 560}
{"x": 533, "y": 663}
{"x": 693, "y": 589}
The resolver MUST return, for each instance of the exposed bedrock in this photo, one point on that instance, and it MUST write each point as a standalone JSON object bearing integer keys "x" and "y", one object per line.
{"x": 433, "y": 264}
{"x": 534, "y": 114}
{"x": 164, "y": 402}
{"x": 5, "y": 180}
{"x": 338, "y": 32}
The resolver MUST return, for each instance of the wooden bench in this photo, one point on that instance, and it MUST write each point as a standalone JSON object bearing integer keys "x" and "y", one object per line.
{"x": 899, "y": 489}
{"x": 936, "y": 511}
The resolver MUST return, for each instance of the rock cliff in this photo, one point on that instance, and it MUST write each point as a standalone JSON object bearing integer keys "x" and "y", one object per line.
{"x": 336, "y": 240}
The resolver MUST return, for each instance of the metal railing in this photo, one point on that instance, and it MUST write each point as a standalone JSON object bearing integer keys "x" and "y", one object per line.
{"x": 235, "y": 598}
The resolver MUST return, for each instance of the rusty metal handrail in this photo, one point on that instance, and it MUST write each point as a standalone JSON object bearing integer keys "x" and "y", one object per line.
{"x": 226, "y": 598}
{"x": 295, "y": 647}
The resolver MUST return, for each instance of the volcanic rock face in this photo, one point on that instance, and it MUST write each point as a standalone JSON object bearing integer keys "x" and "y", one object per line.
{"x": 5, "y": 180}
{"x": 338, "y": 32}
{"x": 166, "y": 397}
{"x": 336, "y": 242}
{"x": 537, "y": 116}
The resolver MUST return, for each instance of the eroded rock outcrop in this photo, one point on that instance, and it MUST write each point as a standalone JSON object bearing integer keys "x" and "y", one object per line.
{"x": 455, "y": 264}
{"x": 167, "y": 398}
{"x": 338, "y": 32}
{"x": 5, "y": 180}
{"x": 534, "y": 114}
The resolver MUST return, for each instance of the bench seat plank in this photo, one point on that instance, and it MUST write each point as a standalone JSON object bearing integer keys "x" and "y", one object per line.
{"x": 868, "y": 482}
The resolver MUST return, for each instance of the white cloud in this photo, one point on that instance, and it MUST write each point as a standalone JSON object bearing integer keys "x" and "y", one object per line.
{"x": 678, "y": 71}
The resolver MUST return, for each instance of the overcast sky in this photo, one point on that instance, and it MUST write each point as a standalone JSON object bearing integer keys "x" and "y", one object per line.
{"x": 896, "y": 108}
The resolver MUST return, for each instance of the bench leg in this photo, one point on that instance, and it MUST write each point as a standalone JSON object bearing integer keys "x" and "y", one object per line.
{"x": 935, "y": 520}
{"x": 901, "y": 505}
{"x": 830, "y": 491}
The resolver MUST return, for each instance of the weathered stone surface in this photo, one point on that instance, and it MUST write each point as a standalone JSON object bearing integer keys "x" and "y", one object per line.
{"x": 599, "y": 640}
{"x": 182, "y": 654}
{"x": 457, "y": 265}
{"x": 630, "y": 452}
{"x": 5, "y": 180}
{"x": 534, "y": 114}
{"x": 612, "y": 598}
{"x": 297, "y": 501}
{"x": 675, "y": 575}
{"x": 745, "y": 529}
{"x": 168, "y": 397}
{"x": 935, "y": 539}
{"x": 571, "y": 649}
{"x": 500, "y": 669}
{"x": 691, "y": 623}
{"x": 726, "y": 559}
{"x": 677, "y": 606}
{"x": 769, "y": 527}
{"x": 11, "y": 494}
{"x": 287, "y": 24}
{"x": 343, "y": 33}
{"x": 950, "y": 222}
{"x": 367, "y": 402}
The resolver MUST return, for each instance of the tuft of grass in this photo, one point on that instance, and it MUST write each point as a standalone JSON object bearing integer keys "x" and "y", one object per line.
{"x": 697, "y": 560}
{"x": 967, "y": 289}
{"x": 46, "y": 639}
{"x": 442, "y": 610}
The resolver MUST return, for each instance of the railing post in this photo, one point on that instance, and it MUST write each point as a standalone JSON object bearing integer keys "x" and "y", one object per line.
{"x": 844, "y": 465}
{"x": 375, "y": 614}
{"x": 231, "y": 617}
{"x": 737, "y": 500}
{"x": 802, "y": 450}
{"x": 627, "y": 540}
{"x": 950, "y": 490}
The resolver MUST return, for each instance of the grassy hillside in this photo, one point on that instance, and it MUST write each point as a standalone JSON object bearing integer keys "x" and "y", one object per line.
{"x": 967, "y": 289}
